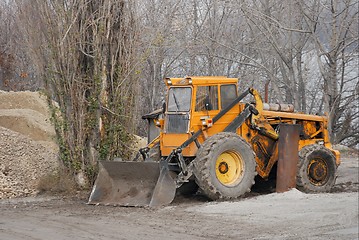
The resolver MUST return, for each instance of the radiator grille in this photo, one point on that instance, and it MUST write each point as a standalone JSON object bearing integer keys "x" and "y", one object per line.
{"x": 177, "y": 123}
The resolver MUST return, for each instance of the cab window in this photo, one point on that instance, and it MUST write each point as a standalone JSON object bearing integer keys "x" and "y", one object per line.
{"x": 228, "y": 94}
{"x": 179, "y": 99}
{"x": 206, "y": 98}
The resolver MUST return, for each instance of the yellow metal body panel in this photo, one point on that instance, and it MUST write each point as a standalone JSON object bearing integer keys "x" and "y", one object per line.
{"x": 200, "y": 80}
{"x": 174, "y": 140}
{"x": 259, "y": 130}
{"x": 220, "y": 125}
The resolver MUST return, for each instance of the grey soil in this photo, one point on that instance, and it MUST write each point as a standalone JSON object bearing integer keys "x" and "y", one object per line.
{"x": 290, "y": 215}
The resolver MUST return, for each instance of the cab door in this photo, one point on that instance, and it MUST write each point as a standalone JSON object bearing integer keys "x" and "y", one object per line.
{"x": 209, "y": 101}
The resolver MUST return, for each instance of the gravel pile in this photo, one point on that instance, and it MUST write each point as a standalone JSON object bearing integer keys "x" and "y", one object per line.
{"x": 22, "y": 163}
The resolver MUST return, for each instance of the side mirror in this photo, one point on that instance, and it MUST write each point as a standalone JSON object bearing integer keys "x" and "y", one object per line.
{"x": 164, "y": 107}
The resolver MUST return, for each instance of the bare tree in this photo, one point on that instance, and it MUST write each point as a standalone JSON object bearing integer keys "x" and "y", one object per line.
{"x": 334, "y": 30}
{"x": 16, "y": 72}
{"x": 85, "y": 53}
{"x": 266, "y": 42}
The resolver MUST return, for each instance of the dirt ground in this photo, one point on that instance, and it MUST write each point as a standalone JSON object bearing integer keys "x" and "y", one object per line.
{"x": 290, "y": 215}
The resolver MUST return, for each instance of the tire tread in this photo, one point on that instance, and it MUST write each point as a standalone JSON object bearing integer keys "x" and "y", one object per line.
{"x": 203, "y": 161}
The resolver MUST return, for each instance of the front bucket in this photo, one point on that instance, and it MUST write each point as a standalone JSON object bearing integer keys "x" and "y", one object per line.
{"x": 132, "y": 184}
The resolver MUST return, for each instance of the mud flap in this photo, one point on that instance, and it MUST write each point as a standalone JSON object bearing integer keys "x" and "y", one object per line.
{"x": 133, "y": 184}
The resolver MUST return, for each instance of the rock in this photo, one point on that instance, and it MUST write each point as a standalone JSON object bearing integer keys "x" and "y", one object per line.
{"x": 20, "y": 167}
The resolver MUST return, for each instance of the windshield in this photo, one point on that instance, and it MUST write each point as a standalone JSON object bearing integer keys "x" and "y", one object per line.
{"x": 179, "y": 99}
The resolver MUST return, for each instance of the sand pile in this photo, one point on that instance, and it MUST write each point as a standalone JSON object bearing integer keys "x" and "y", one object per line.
{"x": 27, "y": 147}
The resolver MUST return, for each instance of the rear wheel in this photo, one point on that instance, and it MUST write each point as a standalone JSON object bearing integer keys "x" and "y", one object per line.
{"x": 225, "y": 166}
{"x": 316, "y": 169}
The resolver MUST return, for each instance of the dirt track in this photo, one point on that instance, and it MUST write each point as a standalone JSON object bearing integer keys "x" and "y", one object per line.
{"x": 291, "y": 215}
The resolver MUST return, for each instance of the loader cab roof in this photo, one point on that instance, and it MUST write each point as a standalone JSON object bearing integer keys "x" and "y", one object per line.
{"x": 199, "y": 80}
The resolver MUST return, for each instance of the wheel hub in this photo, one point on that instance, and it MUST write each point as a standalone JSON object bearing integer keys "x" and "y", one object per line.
{"x": 229, "y": 168}
{"x": 318, "y": 171}
{"x": 223, "y": 167}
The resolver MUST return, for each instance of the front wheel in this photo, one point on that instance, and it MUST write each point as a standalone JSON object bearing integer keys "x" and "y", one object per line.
{"x": 225, "y": 166}
{"x": 316, "y": 169}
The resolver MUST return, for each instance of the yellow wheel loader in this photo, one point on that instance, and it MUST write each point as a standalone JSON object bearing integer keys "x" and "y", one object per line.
{"x": 209, "y": 138}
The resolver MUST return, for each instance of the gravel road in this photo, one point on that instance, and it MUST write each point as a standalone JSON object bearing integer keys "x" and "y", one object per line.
{"x": 290, "y": 215}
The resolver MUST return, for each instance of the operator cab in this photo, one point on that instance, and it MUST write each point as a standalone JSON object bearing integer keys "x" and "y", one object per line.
{"x": 191, "y": 103}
